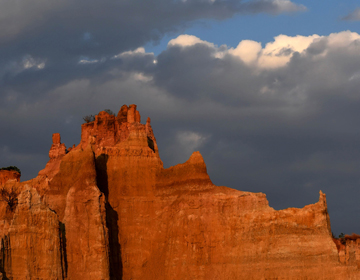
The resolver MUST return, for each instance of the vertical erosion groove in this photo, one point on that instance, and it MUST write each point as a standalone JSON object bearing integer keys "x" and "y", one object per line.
{"x": 64, "y": 264}
{"x": 111, "y": 219}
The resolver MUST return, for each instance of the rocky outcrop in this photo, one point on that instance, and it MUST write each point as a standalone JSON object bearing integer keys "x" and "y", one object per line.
{"x": 85, "y": 224}
{"x": 33, "y": 242}
{"x": 73, "y": 194}
{"x": 115, "y": 213}
{"x": 56, "y": 153}
{"x": 349, "y": 249}
{"x": 6, "y": 175}
{"x": 57, "y": 148}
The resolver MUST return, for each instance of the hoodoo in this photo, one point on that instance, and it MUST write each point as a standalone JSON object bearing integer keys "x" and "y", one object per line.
{"x": 107, "y": 209}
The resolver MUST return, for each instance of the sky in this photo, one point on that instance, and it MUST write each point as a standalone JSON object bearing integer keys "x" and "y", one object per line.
{"x": 267, "y": 90}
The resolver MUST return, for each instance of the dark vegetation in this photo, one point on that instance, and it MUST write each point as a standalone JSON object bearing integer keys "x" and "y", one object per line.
{"x": 91, "y": 118}
{"x": 9, "y": 196}
{"x": 342, "y": 238}
{"x": 109, "y": 112}
{"x": 11, "y": 168}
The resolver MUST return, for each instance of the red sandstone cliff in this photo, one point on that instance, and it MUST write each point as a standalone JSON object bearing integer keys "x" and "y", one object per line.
{"x": 107, "y": 209}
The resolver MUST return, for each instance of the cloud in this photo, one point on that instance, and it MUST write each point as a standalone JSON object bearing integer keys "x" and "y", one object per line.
{"x": 181, "y": 144}
{"x": 275, "y": 54}
{"x": 85, "y": 60}
{"x": 188, "y": 40}
{"x": 273, "y": 6}
{"x": 46, "y": 44}
{"x": 279, "y": 52}
{"x": 353, "y": 16}
{"x": 57, "y": 28}
{"x": 247, "y": 50}
{"x": 288, "y": 6}
{"x": 30, "y": 62}
{"x": 139, "y": 50}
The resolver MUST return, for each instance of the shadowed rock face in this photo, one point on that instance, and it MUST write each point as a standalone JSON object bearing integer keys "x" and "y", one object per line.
{"x": 107, "y": 209}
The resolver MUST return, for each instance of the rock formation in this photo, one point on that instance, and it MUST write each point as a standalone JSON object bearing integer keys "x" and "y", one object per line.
{"x": 6, "y": 175}
{"x": 349, "y": 249}
{"x": 33, "y": 240}
{"x": 107, "y": 209}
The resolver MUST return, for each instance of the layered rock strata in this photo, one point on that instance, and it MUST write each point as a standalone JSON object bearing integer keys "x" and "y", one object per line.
{"x": 107, "y": 209}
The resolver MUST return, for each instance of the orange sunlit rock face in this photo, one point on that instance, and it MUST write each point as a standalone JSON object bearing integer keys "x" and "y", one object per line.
{"x": 349, "y": 249}
{"x": 6, "y": 175}
{"x": 107, "y": 209}
{"x": 33, "y": 240}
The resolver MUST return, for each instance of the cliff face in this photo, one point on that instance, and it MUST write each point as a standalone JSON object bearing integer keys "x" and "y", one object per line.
{"x": 34, "y": 241}
{"x": 107, "y": 209}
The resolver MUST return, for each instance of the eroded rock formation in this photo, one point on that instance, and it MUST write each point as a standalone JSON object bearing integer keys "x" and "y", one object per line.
{"x": 33, "y": 240}
{"x": 349, "y": 249}
{"x": 107, "y": 209}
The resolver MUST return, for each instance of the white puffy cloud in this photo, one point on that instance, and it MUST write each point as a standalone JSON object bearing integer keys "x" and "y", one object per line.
{"x": 279, "y": 52}
{"x": 188, "y": 40}
{"x": 275, "y": 54}
{"x": 247, "y": 50}
{"x": 343, "y": 39}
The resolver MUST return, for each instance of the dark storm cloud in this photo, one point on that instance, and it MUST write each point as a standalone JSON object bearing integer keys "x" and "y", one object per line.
{"x": 95, "y": 28}
{"x": 354, "y": 15}
{"x": 41, "y": 42}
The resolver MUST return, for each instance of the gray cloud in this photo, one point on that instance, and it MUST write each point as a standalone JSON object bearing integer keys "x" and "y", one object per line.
{"x": 353, "y": 16}
{"x": 273, "y": 7}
